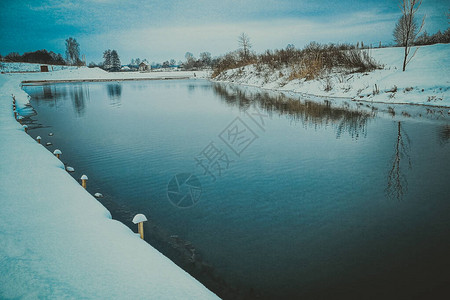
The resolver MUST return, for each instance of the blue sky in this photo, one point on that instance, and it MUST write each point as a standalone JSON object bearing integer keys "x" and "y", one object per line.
{"x": 161, "y": 30}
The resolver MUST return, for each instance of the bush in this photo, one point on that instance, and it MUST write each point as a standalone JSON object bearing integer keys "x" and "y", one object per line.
{"x": 308, "y": 63}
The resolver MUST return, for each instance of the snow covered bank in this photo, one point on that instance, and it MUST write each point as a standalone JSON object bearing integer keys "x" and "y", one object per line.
{"x": 30, "y": 67}
{"x": 425, "y": 81}
{"x": 56, "y": 240}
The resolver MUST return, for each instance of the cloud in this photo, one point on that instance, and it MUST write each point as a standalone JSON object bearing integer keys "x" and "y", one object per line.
{"x": 158, "y": 44}
{"x": 51, "y": 6}
{"x": 161, "y": 30}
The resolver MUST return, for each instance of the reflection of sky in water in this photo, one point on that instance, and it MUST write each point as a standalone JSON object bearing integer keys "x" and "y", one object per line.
{"x": 324, "y": 200}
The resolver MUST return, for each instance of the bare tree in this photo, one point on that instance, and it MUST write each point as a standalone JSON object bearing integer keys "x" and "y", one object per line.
{"x": 205, "y": 58}
{"x": 190, "y": 61}
{"x": 245, "y": 45}
{"x": 406, "y": 29}
{"x": 401, "y": 36}
{"x": 397, "y": 184}
{"x": 72, "y": 51}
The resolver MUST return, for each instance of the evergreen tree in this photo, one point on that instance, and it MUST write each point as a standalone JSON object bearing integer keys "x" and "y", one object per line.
{"x": 107, "y": 63}
{"x": 115, "y": 61}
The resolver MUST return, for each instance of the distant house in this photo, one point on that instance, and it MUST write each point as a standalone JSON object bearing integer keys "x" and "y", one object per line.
{"x": 143, "y": 67}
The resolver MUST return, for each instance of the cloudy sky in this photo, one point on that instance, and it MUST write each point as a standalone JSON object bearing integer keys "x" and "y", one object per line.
{"x": 163, "y": 29}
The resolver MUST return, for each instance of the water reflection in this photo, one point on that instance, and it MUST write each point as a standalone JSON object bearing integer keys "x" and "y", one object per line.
{"x": 79, "y": 95}
{"x": 205, "y": 87}
{"x": 397, "y": 184}
{"x": 309, "y": 113}
{"x": 311, "y": 192}
{"x": 115, "y": 93}
{"x": 444, "y": 134}
{"x": 49, "y": 93}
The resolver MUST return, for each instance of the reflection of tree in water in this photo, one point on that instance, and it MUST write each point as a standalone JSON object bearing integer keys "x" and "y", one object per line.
{"x": 114, "y": 93}
{"x": 397, "y": 184}
{"x": 193, "y": 87}
{"x": 79, "y": 96}
{"x": 46, "y": 92}
{"x": 444, "y": 134}
{"x": 309, "y": 113}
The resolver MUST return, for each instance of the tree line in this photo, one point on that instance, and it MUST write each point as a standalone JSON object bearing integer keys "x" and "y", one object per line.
{"x": 45, "y": 57}
{"x": 39, "y": 56}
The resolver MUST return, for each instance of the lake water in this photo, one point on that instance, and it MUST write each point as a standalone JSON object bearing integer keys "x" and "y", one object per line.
{"x": 262, "y": 194}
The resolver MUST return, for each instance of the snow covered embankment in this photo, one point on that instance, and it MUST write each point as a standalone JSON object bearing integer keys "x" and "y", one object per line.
{"x": 17, "y": 67}
{"x": 425, "y": 81}
{"x": 56, "y": 240}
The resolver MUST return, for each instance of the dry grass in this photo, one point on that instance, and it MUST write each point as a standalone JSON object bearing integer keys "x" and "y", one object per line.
{"x": 308, "y": 63}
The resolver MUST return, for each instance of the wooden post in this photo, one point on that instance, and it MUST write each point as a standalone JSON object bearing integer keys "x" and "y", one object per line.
{"x": 15, "y": 114}
{"x": 38, "y": 139}
{"x": 140, "y": 219}
{"x": 25, "y": 127}
{"x": 84, "y": 178}
{"x": 141, "y": 229}
{"x": 57, "y": 152}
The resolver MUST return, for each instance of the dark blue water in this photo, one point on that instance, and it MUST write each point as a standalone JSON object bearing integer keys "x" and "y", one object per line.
{"x": 260, "y": 194}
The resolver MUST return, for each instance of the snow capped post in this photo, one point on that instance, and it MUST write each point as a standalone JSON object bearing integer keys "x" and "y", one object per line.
{"x": 25, "y": 127}
{"x": 19, "y": 118}
{"x": 58, "y": 152}
{"x": 84, "y": 178}
{"x": 38, "y": 139}
{"x": 15, "y": 114}
{"x": 140, "y": 219}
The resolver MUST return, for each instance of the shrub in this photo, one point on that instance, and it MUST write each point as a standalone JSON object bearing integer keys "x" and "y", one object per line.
{"x": 308, "y": 63}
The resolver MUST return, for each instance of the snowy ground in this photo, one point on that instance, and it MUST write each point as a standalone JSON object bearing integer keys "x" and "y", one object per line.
{"x": 426, "y": 80}
{"x": 56, "y": 240}
{"x": 30, "y": 67}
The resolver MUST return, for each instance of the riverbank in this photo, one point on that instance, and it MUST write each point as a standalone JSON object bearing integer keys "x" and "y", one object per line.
{"x": 56, "y": 240}
{"x": 426, "y": 80}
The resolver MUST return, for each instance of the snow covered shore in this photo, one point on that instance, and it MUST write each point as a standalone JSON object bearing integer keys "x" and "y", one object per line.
{"x": 56, "y": 240}
{"x": 426, "y": 80}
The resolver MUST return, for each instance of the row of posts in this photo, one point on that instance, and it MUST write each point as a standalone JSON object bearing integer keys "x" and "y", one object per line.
{"x": 138, "y": 219}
